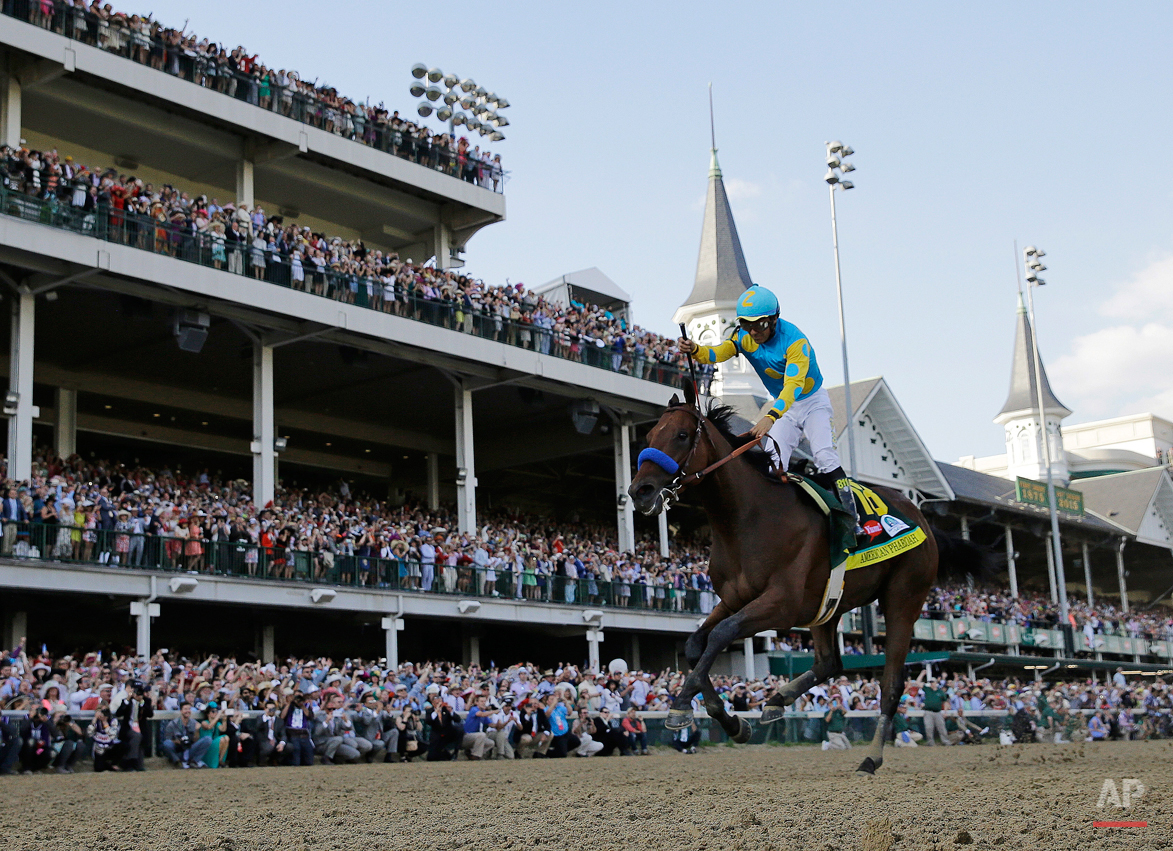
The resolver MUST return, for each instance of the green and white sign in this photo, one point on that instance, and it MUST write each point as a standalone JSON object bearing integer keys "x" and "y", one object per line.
{"x": 1035, "y": 493}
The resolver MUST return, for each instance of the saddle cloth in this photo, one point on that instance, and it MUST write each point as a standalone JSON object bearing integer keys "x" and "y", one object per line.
{"x": 887, "y": 533}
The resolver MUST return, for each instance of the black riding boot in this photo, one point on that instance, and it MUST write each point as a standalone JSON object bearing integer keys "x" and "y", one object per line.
{"x": 838, "y": 482}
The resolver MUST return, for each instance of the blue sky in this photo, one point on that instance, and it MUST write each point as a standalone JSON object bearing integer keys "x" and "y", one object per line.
{"x": 974, "y": 125}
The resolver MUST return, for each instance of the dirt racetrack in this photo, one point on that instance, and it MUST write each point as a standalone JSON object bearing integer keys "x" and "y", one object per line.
{"x": 760, "y": 797}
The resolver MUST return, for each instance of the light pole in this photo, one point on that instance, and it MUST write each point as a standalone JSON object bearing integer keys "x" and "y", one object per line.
{"x": 837, "y": 154}
{"x": 1034, "y": 265}
{"x": 482, "y": 105}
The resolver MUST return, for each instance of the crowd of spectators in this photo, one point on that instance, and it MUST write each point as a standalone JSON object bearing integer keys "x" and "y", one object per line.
{"x": 221, "y": 712}
{"x": 238, "y": 74}
{"x": 162, "y": 218}
{"x": 107, "y": 513}
{"x": 1035, "y": 609}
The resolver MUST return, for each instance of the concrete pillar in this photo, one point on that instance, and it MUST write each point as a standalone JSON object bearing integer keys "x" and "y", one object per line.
{"x": 442, "y": 246}
{"x": 1011, "y": 563}
{"x": 635, "y": 665}
{"x": 625, "y": 511}
{"x": 143, "y": 611}
{"x": 20, "y": 382}
{"x": 16, "y": 628}
{"x": 1087, "y": 574}
{"x": 433, "y": 481}
{"x": 964, "y": 528}
{"x": 264, "y": 427}
{"x": 65, "y": 428}
{"x": 474, "y": 650}
{"x": 10, "y": 111}
{"x": 466, "y": 476}
{"x": 244, "y": 182}
{"x": 594, "y": 638}
{"x": 662, "y": 520}
{"x": 268, "y": 640}
{"x": 749, "y": 667}
{"x": 1120, "y": 574}
{"x": 1051, "y": 571}
{"x": 392, "y": 624}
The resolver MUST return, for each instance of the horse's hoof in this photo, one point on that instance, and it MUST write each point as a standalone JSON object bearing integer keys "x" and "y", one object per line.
{"x": 771, "y": 714}
{"x": 678, "y": 719}
{"x": 744, "y": 731}
{"x": 867, "y": 768}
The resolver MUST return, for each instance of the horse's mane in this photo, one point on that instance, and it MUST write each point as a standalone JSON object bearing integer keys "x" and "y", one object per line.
{"x": 721, "y": 417}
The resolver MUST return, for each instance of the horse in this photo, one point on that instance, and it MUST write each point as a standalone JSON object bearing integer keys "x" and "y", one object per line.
{"x": 770, "y": 564}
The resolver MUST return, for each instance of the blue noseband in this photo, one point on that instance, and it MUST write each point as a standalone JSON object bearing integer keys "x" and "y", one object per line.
{"x": 661, "y": 459}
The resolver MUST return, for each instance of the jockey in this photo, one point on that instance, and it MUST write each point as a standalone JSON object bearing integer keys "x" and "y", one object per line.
{"x": 785, "y": 361}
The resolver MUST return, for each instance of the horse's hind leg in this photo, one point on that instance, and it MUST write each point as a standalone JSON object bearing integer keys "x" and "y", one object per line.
{"x": 901, "y": 598}
{"x": 827, "y": 664}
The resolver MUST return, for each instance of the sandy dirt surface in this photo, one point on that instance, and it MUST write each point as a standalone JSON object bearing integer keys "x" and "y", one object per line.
{"x": 761, "y": 797}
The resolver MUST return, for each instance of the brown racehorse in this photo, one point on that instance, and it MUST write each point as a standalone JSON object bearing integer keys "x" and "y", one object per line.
{"x": 770, "y": 562}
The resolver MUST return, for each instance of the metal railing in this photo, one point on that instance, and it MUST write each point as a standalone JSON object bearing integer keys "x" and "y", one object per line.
{"x": 313, "y": 107}
{"x": 226, "y": 253}
{"x": 243, "y": 559}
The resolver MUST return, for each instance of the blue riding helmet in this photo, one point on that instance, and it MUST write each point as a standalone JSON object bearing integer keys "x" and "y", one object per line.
{"x": 756, "y": 303}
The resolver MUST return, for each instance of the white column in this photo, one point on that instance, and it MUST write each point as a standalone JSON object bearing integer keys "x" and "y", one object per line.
{"x": 143, "y": 611}
{"x": 1120, "y": 574}
{"x": 474, "y": 650}
{"x": 466, "y": 478}
{"x": 1051, "y": 571}
{"x": 442, "y": 246}
{"x": 964, "y": 528}
{"x": 635, "y": 665}
{"x": 749, "y": 672}
{"x": 662, "y": 518}
{"x": 20, "y": 382}
{"x": 433, "y": 481}
{"x": 65, "y": 428}
{"x": 1011, "y": 563}
{"x": 264, "y": 427}
{"x": 392, "y": 624}
{"x": 624, "y": 509}
{"x": 244, "y": 182}
{"x": 594, "y": 639}
{"x": 1087, "y": 574}
{"x": 10, "y": 111}
{"x": 268, "y": 642}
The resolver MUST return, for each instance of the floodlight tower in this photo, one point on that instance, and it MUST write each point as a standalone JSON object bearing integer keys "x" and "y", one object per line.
{"x": 458, "y": 95}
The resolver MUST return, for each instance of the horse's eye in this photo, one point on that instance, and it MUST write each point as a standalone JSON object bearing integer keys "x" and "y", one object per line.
{"x": 682, "y": 435}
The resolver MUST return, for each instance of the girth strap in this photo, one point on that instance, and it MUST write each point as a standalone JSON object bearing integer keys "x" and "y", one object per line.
{"x": 831, "y": 596}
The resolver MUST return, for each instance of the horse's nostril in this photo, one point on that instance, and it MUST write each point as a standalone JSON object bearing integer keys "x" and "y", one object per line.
{"x": 644, "y": 490}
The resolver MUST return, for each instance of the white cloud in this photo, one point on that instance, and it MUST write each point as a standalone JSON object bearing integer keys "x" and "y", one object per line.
{"x": 742, "y": 190}
{"x": 1126, "y": 367}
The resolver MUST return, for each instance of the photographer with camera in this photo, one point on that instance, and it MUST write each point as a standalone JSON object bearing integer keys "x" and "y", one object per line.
{"x": 133, "y": 713}
{"x": 37, "y": 733}
{"x": 66, "y": 742}
{"x": 299, "y": 721}
{"x": 268, "y": 733}
{"x": 370, "y": 723}
{"x": 182, "y": 744}
{"x": 445, "y": 733}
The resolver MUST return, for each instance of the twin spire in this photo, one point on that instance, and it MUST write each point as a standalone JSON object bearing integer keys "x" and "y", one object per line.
{"x": 721, "y": 272}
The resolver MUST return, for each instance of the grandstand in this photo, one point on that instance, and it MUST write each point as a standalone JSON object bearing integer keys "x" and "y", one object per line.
{"x": 136, "y": 339}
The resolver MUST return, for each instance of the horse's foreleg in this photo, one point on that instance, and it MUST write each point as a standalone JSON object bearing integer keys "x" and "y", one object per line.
{"x": 827, "y": 664}
{"x": 695, "y": 645}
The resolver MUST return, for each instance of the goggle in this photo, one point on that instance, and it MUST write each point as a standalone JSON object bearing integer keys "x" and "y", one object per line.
{"x": 762, "y": 324}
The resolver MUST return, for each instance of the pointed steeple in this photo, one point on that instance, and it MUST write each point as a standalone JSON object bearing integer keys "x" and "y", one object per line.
{"x": 721, "y": 272}
{"x": 1023, "y": 397}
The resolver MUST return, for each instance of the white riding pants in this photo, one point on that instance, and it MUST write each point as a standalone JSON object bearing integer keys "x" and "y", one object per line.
{"x": 810, "y": 416}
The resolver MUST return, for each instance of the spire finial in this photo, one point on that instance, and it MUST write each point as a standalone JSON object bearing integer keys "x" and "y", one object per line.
{"x": 714, "y": 167}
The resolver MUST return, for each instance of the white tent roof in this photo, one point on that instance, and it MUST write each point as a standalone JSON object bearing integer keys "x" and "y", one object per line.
{"x": 589, "y": 279}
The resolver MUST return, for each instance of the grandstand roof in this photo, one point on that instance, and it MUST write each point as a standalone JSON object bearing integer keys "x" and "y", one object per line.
{"x": 1023, "y": 394}
{"x": 721, "y": 272}
{"x": 995, "y": 492}
{"x": 1141, "y": 501}
{"x": 592, "y": 279}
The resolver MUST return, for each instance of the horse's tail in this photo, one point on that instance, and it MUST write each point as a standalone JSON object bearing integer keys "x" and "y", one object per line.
{"x": 958, "y": 558}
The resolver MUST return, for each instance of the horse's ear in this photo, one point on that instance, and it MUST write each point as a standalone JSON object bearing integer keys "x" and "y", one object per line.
{"x": 674, "y": 401}
{"x": 690, "y": 392}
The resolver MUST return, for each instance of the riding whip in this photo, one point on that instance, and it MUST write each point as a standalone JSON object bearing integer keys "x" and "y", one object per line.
{"x": 696, "y": 390}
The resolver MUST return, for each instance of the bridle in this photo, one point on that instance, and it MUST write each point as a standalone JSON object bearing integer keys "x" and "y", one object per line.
{"x": 681, "y": 478}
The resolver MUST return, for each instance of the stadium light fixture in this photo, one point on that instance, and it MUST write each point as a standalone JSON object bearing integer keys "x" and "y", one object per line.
{"x": 1030, "y": 259}
{"x": 837, "y": 154}
{"x": 479, "y": 107}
